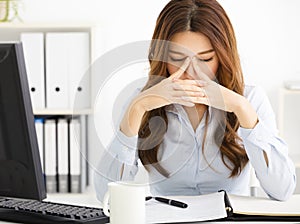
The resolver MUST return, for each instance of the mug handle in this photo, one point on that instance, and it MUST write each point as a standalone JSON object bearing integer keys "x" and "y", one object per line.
{"x": 105, "y": 203}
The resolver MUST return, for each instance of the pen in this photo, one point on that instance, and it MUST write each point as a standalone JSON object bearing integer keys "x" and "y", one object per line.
{"x": 169, "y": 201}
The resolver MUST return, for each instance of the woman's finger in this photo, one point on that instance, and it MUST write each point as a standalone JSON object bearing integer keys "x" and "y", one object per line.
{"x": 197, "y": 99}
{"x": 181, "y": 70}
{"x": 200, "y": 74}
{"x": 188, "y": 88}
{"x": 182, "y": 93}
{"x": 200, "y": 83}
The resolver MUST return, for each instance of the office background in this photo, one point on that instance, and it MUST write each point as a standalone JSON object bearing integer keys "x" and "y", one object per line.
{"x": 267, "y": 33}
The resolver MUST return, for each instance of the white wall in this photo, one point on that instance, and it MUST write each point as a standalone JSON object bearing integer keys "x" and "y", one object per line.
{"x": 268, "y": 40}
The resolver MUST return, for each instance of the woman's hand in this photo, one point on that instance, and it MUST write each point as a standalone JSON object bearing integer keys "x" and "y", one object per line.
{"x": 172, "y": 90}
{"x": 220, "y": 97}
{"x": 168, "y": 91}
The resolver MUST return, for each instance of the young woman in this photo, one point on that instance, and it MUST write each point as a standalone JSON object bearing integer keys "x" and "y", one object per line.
{"x": 195, "y": 126}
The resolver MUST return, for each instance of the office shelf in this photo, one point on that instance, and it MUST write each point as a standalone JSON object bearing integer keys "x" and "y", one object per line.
{"x": 11, "y": 32}
{"x": 288, "y": 125}
{"x": 289, "y": 119}
{"x": 62, "y": 112}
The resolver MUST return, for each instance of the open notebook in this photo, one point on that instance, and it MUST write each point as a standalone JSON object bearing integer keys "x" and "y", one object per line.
{"x": 223, "y": 206}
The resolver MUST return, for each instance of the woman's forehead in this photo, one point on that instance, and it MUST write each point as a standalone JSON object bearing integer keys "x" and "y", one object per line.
{"x": 190, "y": 43}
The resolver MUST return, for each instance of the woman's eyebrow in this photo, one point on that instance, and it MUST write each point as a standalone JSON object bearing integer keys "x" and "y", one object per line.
{"x": 199, "y": 53}
{"x": 206, "y": 52}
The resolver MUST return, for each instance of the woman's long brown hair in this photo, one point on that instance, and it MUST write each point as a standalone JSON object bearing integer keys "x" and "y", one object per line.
{"x": 209, "y": 18}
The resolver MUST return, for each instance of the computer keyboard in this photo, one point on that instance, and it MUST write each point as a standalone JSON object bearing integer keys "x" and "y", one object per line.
{"x": 33, "y": 211}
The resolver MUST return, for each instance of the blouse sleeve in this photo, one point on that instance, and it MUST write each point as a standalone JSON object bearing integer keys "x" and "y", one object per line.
{"x": 119, "y": 161}
{"x": 277, "y": 174}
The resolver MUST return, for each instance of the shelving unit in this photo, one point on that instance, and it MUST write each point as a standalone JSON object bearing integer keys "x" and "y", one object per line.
{"x": 10, "y": 32}
{"x": 289, "y": 125}
{"x": 289, "y": 120}
{"x": 62, "y": 112}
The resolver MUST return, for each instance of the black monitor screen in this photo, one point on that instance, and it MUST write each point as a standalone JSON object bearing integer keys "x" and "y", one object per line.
{"x": 20, "y": 167}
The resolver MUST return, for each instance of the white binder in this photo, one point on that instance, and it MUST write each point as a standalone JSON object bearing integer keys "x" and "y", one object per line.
{"x": 39, "y": 127}
{"x": 50, "y": 156}
{"x": 84, "y": 153}
{"x": 63, "y": 155}
{"x": 79, "y": 70}
{"x": 67, "y": 61}
{"x": 57, "y": 88}
{"x": 33, "y": 46}
{"x": 76, "y": 166}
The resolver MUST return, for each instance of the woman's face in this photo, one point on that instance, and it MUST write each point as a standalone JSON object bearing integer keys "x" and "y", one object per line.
{"x": 193, "y": 45}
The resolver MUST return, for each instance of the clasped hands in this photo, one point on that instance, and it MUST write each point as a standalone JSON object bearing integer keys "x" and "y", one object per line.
{"x": 199, "y": 88}
{"x": 188, "y": 92}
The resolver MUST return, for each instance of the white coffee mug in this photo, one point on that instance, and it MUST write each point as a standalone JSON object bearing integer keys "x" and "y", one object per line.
{"x": 124, "y": 202}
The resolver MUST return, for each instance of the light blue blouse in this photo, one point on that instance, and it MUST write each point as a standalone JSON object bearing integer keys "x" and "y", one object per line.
{"x": 193, "y": 171}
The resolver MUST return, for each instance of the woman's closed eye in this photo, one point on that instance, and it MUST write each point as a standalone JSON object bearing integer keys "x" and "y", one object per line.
{"x": 177, "y": 59}
{"x": 200, "y": 59}
{"x": 206, "y": 59}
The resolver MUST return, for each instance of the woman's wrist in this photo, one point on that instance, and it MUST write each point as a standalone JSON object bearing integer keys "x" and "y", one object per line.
{"x": 245, "y": 113}
{"x": 132, "y": 118}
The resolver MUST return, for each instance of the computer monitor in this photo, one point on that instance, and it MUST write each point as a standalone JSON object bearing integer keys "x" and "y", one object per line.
{"x": 20, "y": 167}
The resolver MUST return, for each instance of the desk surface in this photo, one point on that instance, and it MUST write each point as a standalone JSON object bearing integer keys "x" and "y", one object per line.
{"x": 2, "y": 222}
{"x": 89, "y": 199}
